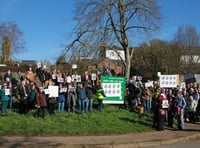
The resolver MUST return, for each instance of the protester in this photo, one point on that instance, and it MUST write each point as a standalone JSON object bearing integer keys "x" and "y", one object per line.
{"x": 180, "y": 105}
{"x": 41, "y": 103}
{"x": 146, "y": 100}
{"x": 81, "y": 94}
{"x": 191, "y": 109}
{"x": 89, "y": 98}
{"x": 23, "y": 93}
{"x": 32, "y": 97}
{"x": 100, "y": 96}
{"x": 71, "y": 102}
{"x": 4, "y": 99}
{"x": 30, "y": 75}
{"x": 61, "y": 98}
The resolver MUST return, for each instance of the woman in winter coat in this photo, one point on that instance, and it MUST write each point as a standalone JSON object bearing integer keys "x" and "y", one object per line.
{"x": 41, "y": 103}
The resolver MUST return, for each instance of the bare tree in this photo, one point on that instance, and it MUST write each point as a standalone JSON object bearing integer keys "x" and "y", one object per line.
{"x": 10, "y": 40}
{"x": 105, "y": 23}
{"x": 188, "y": 40}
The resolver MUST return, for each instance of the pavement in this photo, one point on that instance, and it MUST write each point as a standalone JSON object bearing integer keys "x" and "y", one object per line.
{"x": 134, "y": 140}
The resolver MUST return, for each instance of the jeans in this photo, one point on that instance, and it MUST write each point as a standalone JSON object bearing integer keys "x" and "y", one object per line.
{"x": 100, "y": 105}
{"x": 81, "y": 106}
{"x": 61, "y": 106}
{"x": 180, "y": 119}
{"x": 10, "y": 102}
{"x": 146, "y": 106}
{"x": 89, "y": 105}
{"x": 71, "y": 103}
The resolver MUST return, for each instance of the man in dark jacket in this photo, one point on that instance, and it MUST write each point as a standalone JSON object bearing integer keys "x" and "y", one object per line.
{"x": 89, "y": 100}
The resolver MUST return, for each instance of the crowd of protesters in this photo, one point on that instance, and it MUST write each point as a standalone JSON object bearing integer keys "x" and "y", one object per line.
{"x": 28, "y": 88}
{"x": 183, "y": 103}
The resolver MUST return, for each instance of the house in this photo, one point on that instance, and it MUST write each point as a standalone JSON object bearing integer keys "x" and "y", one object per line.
{"x": 190, "y": 55}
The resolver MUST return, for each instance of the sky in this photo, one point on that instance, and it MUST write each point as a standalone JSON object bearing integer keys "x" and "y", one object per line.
{"x": 47, "y": 23}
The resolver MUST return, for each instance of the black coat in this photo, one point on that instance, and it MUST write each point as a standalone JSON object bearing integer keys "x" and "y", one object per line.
{"x": 89, "y": 92}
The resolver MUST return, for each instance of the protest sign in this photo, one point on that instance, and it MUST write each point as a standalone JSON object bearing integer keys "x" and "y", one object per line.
{"x": 53, "y": 76}
{"x": 69, "y": 79}
{"x": 94, "y": 76}
{"x": 39, "y": 65}
{"x": 114, "y": 88}
{"x": 73, "y": 78}
{"x": 60, "y": 80}
{"x": 168, "y": 81}
{"x": 63, "y": 90}
{"x": 165, "y": 104}
{"x": 7, "y": 92}
{"x": 74, "y": 66}
{"x": 46, "y": 91}
{"x": 53, "y": 91}
{"x": 78, "y": 78}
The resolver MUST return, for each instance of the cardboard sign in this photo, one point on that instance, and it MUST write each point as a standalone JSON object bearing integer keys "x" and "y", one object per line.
{"x": 78, "y": 78}
{"x": 46, "y": 91}
{"x": 39, "y": 65}
{"x": 53, "y": 91}
{"x": 94, "y": 76}
{"x": 73, "y": 78}
{"x": 168, "y": 81}
{"x": 74, "y": 66}
{"x": 69, "y": 79}
{"x": 7, "y": 92}
{"x": 63, "y": 90}
{"x": 71, "y": 89}
{"x": 60, "y": 80}
{"x": 148, "y": 84}
{"x": 165, "y": 104}
{"x": 53, "y": 76}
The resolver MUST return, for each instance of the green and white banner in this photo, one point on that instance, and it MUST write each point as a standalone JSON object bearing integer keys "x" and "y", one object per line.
{"x": 114, "y": 88}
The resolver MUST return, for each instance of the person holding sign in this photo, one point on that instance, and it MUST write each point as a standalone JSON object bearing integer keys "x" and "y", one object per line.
{"x": 100, "y": 96}
{"x": 71, "y": 102}
{"x": 61, "y": 98}
{"x": 81, "y": 93}
{"x": 89, "y": 99}
{"x": 4, "y": 99}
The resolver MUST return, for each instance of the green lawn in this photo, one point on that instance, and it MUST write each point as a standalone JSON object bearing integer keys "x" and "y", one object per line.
{"x": 111, "y": 120}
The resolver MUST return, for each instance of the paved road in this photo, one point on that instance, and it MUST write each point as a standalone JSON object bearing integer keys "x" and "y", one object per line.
{"x": 193, "y": 144}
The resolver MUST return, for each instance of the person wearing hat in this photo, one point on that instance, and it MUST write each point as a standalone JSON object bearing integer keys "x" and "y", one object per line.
{"x": 4, "y": 99}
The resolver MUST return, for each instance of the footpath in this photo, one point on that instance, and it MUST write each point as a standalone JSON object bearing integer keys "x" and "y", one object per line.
{"x": 145, "y": 139}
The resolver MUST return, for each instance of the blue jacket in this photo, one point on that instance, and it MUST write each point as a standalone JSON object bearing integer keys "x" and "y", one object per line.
{"x": 81, "y": 93}
{"x": 180, "y": 102}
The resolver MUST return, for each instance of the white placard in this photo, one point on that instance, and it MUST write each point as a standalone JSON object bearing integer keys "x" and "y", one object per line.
{"x": 63, "y": 90}
{"x": 94, "y": 76}
{"x": 168, "y": 81}
{"x": 60, "y": 80}
{"x": 46, "y": 91}
{"x": 0, "y": 86}
{"x": 39, "y": 65}
{"x": 7, "y": 92}
{"x": 183, "y": 85}
{"x": 73, "y": 78}
{"x": 69, "y": 79}
{"x": 53, "y": 76}
{"x": 112, "y": 89}
{"x": 53, "y": 91}
{"x": 74, "y": 66}
{"x": 165, "y": 104}
{"x": 78, "y": 78}
{"x": 148, "y": 84}
{"x": 71, "y": 89}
